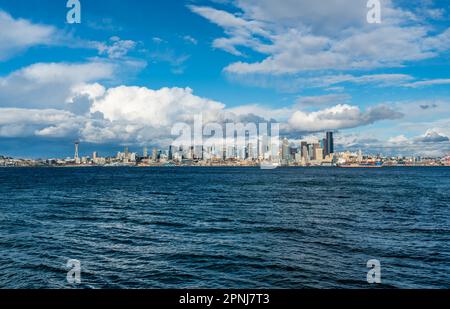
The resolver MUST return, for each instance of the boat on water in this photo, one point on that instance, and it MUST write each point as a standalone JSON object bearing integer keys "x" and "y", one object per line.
{"x": 361, "y": 165}
{"x": 266, "y": 165}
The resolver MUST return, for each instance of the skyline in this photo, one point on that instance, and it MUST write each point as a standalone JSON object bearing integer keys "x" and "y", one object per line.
{"x": 267, "y": 151}
{"x": 119, "y": 79}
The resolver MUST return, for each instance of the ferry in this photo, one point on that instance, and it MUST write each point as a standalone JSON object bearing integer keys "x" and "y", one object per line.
{"x": 266, "y": 165}
{"x": 362, "y": 165}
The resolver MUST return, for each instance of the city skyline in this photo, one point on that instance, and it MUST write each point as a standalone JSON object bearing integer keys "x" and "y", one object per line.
{"x": 126, "y": 80}
{"x": 267, "y": 153}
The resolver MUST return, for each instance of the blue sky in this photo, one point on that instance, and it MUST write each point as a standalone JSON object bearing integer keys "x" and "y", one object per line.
{"x": 132, "y": 69}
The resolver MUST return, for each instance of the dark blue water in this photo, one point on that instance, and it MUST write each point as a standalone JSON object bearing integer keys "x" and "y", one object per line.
{"x": 225, "y": 227}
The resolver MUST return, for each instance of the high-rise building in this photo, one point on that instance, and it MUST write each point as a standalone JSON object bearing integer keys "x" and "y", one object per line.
{"x": 155, "y": 154}
{"x": 285, "y": 150}
{"x": 304, "y": 149}
{"x": 318, "y": 154}
{"x": 305, "y": 155}
{"x": 170, "y": 152}
{"x": 315, "y": 155}
{"x": 329, "y": 149}
{"x": 145, "y": 152}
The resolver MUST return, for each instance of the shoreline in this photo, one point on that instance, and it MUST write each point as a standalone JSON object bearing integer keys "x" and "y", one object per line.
{"x": 220, "y": 166}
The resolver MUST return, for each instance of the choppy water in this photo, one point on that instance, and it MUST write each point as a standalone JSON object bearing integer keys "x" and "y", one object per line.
{"x": 224, "y": 227}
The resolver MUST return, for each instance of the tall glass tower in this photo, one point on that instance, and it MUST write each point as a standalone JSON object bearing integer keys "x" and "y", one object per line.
{"x": 329, "y": 143}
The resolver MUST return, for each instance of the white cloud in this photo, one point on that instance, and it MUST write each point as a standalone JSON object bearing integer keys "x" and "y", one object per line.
{"x": 116, "y": 48}
{"x": 432, "y": 82}
{"x": 432, "y": 136}
{"x": 190, "y": 39}
{"x": 421, "y": 145}
{"x": 48, "y": 85}
{"x": 400, "y": 139}
{"x": 153, "y": 108}
{"x": 17, "y": 35}
{"x": 142, "y": 115}
{"x": 342, "y": 116}
{"x": 16, "y": 122}
{"x": 301, "y": 36}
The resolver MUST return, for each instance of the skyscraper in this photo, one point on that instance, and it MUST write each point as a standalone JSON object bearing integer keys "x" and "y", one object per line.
{"x": 145, "y": 152}
{"x": 285, "y": 150}
{"x": 155, "y": 154}
{"x": 171, "y": 152}
{"x": 329, "y": 143}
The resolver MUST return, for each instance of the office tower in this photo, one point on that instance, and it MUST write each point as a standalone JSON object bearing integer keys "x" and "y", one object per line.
{"x": 155, "y": 154}
{"x": 94, "y": 155}
{"x": 318, "y": 154}
{"x": 198, "y": 152}
{"x": 292, "y": 151}
{"x": 303, "y": 145}
{"x": 145, "y": 152}
{"x": 170, "y": 152}
{"x": 314, "y": 155}
{"x": 251, "y": 152}
{"x": 329, "y": 144}
{"x": 305, "y": 157}
{"x": 310, "y": 152}
{"x": 224, "y": 153}
{"x": 285, "y": 150}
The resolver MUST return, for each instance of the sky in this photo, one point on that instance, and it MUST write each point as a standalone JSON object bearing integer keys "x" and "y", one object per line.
{"x": 131, "y": 70}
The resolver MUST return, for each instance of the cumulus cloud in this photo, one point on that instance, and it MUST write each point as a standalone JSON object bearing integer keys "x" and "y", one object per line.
{"x": 432, "y": 143}
{"x": 342, "y": 116}
{"x": 432, "y": 136}
{"x": 154, "y": 108}
{"x": 141, "y": 115}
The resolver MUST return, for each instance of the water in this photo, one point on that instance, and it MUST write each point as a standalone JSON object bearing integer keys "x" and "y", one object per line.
{"x": 224, "y": 227}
